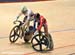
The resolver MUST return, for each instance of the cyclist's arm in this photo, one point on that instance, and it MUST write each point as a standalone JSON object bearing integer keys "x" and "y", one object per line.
{"x": 28, "y": 18}
{"x": 19, "y": 15}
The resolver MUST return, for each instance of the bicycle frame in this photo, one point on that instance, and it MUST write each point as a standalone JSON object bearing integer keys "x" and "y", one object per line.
{"x": 21, "y": 28}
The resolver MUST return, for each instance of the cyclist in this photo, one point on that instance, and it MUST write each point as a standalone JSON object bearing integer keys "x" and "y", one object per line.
{"x": 28, "y": 16}
{"x": 41, "y": 23}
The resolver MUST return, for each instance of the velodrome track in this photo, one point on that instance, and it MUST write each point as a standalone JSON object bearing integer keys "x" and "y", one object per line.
{"x": 60, "y": 16}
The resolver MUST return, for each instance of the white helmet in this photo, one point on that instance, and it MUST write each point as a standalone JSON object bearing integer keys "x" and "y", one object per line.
{"x": 24, "y": 9}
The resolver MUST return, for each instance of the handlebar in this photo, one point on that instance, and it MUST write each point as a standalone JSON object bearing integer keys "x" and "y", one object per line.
{"x": 20, "y": 22}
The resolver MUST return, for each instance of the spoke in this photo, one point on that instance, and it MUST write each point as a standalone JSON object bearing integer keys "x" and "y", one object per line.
{"x": 36, "y": 44}
{"x": 37, "y": 40}
{"x": 42, "y": 38}
{"x": 40, "y": 47}
{"x": 43, "y": 43}
{"x": 17, "y": 34}
{"x": 14, "y": 38}
{"x": 14, "y": 31}
{"x": 12, "y": 35}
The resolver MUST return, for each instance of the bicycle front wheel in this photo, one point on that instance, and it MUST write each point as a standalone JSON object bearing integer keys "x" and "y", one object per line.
{"x": 39, "y": 43}
{"x": 14, "y": 34}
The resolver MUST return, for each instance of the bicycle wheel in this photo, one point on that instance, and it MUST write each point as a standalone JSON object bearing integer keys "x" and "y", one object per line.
{"x": 14, "y": 34}
{"x": 39, "y": 43}
{"x": 28, "y": 34}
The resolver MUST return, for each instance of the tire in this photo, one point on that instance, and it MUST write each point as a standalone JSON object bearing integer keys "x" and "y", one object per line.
{"x": 51, "y": 43}
{"x": 14, "y": 34}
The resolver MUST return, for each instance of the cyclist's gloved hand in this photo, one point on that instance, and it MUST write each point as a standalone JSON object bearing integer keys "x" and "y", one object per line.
{"x": 17, "y": 17}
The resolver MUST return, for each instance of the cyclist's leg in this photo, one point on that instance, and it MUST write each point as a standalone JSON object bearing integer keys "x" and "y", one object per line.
{"x": 46, "y": 29}
{"x": 30, "y": 34}
{"x": 47, "y": 34}
{"x": 28, "y": 24}
{"x": 24, "y": 20}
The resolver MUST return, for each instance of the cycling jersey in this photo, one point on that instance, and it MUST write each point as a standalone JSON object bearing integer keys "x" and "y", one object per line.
{"x": 41, "y": 22}
{"x": 28, "y": 15}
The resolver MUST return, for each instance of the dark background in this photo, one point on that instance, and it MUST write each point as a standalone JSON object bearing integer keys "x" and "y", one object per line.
{"x": 20, "y": 0}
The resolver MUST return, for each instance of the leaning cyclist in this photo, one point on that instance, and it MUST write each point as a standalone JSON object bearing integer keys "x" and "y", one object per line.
{"x": 28, "y": 16}
{"x": 41, "y": 23}
{"x": 26, "y": 21}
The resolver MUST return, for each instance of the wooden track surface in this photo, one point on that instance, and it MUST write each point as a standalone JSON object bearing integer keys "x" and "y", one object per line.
{"x": 61, "y": 24}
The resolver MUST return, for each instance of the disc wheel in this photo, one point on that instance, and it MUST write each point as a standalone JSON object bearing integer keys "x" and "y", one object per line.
{"x": 14, "y": 34}
{"x": 39, "y": 43}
